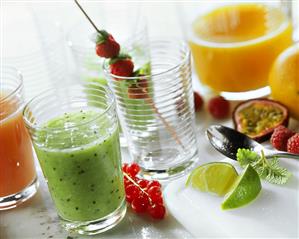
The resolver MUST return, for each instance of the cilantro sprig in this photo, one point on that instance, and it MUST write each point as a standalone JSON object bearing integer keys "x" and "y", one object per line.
{"x": 267, "y": 169}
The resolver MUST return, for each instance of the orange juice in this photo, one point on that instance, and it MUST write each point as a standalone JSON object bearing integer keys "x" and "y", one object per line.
{"x": 234, "y": 46}
{"x": 17, "y": 169}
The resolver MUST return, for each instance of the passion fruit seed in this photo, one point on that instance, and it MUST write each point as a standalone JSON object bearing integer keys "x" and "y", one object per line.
{"x": 257, "y": 118}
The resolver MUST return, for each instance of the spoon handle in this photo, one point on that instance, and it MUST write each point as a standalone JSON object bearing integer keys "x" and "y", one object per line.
{"x": 282, "y": 154}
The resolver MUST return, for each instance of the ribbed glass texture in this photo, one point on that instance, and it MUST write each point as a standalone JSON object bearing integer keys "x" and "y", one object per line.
{"x": 158, "y": 120}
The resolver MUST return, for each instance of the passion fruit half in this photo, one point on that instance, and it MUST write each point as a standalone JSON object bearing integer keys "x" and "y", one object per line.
{"x": 258, "y": 118}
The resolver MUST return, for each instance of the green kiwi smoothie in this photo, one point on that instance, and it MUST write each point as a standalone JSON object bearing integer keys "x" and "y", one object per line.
{"x": 81, "y": 165}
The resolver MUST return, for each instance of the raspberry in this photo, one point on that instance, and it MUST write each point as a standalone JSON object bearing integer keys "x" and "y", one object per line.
{"x": 293, "y": 144}
{"x": 218, "y": 107}
{"x": 198, "y": 101}
{"x": 106, "y": 45}
{"x": 280, "y": 136}
{"x": 122, "y": 67}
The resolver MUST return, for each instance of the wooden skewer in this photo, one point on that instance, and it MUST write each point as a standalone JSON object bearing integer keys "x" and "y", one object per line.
{"x": 88, "y": 18}
{"x": 169, "y": 128}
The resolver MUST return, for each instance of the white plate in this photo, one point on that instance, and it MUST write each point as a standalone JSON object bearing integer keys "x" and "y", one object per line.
{"x": 274, "y": 213}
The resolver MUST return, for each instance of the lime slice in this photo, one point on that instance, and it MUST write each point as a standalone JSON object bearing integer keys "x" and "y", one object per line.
{"x": 213, "y": 177}
{"x": 244, "y": 190}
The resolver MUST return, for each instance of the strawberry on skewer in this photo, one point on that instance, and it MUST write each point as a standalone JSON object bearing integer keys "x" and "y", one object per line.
{"x": 106, "y": 46}
{"x": 123, "y": 67}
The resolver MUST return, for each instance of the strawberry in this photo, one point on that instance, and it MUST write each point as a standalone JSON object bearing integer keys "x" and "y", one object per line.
{"x": 122, "y": 65}
{"x": 106, "y": 45}
{"x": 280, "y": 136}
{"x": 218, "y": 107}
{"x": 198, "y": 101}
{"x": 293, "y": 144}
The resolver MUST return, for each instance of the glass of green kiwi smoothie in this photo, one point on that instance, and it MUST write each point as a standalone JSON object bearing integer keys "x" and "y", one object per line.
{"x": 75, "y": 135}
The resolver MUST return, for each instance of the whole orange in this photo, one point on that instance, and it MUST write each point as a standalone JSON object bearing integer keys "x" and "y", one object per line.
{"x": 284, "y": 79}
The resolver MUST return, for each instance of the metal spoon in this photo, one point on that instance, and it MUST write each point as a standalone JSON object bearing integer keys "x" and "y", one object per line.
{"x": 227, "y": 141}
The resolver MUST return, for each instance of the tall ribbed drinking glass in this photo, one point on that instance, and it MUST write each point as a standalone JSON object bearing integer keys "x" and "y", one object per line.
{"x": 157, "y": 112}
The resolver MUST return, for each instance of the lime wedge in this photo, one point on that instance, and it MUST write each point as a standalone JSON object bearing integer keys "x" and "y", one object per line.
{"x": 244, "y": 190}
{"x": 214, "y": 177}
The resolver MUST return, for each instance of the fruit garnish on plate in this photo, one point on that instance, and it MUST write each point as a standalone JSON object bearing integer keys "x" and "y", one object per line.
{"x": 267, "y": 169}
{"x": 216, "y": 177}
{"x": 284, "y": 79}
{"x": 222, "y": 179}
{"x": 258, "y": 118}
{"x": 244, "y": 190}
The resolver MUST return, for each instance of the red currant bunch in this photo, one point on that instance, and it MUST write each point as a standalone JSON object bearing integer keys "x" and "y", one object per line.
{"x": 143, "y": 195}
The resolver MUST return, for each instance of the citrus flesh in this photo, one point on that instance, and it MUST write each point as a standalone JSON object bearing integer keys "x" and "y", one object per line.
{"x": 238, "y": 23}
{"x": 244, "y": 190}
{"x": 215, "y": 177}
{"x": 284, "y": 79}
{"x": 241, "y": 41}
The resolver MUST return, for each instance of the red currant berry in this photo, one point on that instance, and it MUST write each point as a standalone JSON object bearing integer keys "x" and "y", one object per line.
{"x": 125, "y": 167}
{"x": 140, "y": 204}
{"x": 133, "y": 169}
{"x": 154, "y": 183}
{"x": 132, "y": 192}
{"x": 157, "y": 211}
{"x": 143, "y": 183}
{"x": 155, "y": 190}
{"x": 127, "y": 182}
{"x": 157, "y": 199}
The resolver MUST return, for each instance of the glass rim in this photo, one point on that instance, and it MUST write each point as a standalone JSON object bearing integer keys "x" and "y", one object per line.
{"x": 193, "y": 37}
{"x": 182, "y": 62}
{"x": 18, "y": 76}
{"x": 43, "y": 128}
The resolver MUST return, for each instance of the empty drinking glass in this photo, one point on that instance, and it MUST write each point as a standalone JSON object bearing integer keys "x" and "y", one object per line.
{"x": 156, "y": 110}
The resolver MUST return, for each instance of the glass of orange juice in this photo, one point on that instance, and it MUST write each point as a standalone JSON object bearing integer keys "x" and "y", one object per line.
{"x": 18, "y": 180}
{"x": 234, "y": 44}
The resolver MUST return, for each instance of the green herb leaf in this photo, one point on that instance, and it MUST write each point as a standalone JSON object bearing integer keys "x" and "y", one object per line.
{"x": 246, "y": 156}
{"x": 268, "y": 170}
{"x": 277, "y": 174}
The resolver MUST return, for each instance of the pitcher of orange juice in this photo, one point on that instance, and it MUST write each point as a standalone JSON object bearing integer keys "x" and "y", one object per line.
{"x": 234, "y": 44}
